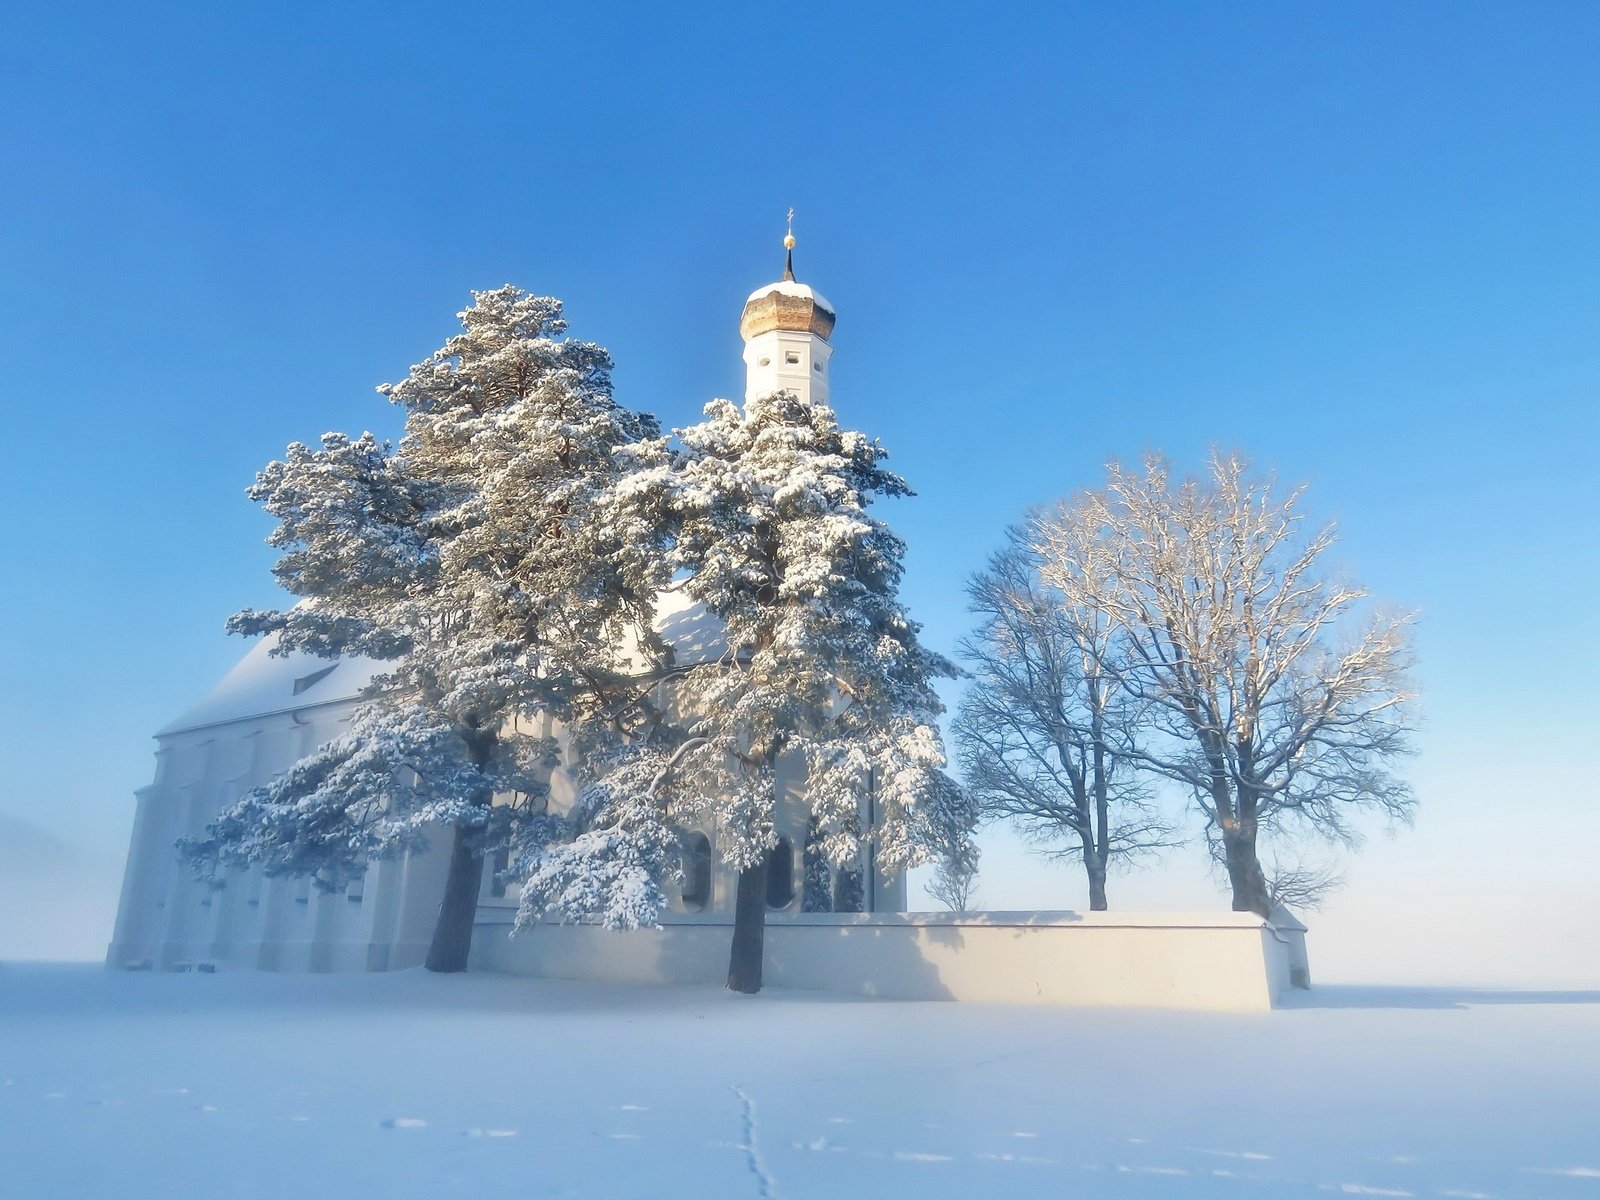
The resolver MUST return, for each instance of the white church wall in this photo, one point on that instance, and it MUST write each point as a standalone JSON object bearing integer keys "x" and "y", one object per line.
{"x": 169, "y": 919}
{"x": 1222, "y": 962}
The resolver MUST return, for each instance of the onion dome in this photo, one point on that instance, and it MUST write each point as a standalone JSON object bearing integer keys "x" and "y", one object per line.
{"x": 786, "y": 304}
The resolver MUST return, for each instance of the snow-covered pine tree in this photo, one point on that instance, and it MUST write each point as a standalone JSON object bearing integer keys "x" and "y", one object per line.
{"x": 767, "y": 511}
{"x": 849, "y": 890}
{"x": 816, "y": 889}
{"x": 471, "y": 560}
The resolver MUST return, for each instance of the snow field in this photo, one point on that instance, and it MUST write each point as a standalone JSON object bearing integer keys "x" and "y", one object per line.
{"x": 411, "y": 1085}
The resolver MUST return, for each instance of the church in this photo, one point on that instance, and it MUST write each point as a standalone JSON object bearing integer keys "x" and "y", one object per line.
{"x": 270, "y": 711}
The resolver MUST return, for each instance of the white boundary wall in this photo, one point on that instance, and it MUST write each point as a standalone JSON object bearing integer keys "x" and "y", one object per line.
{"x": 1223, "y": 961}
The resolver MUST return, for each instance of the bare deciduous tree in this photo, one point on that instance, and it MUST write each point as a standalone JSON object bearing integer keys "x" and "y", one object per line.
{"x": 954, "y": 884}
{"x": 1045, "y": 732}
{"x": 1279, "y": 699}
{"x": 1299, "y": 884}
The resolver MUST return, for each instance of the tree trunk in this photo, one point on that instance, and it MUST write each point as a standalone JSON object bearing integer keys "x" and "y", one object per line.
{"x": 452, "y": 933}
{"x": 1097, "y": 847}
{"x": 749, "y": 930}
{"x": 1244, "y": 871}
{"x": 1097, "y": 885}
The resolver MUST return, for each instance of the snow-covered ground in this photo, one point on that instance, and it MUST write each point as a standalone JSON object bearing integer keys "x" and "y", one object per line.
{"x": 409, "y": 1085}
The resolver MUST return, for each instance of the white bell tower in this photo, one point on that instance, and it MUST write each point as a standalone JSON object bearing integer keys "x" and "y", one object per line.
{"x": 785, "y": 327}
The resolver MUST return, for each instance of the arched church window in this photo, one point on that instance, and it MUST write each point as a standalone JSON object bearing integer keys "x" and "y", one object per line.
{"x": 696, "y": 872}
{"x": 817, "y": 367}
{"x": 791, "y": 356}
{"x": 765, "y": 361}
{"x": 780, "y": 875}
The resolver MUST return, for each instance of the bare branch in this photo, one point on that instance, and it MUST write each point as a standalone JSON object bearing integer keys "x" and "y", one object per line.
{"x": 1263, "y": 692}
{"x": 1045, "y": 735}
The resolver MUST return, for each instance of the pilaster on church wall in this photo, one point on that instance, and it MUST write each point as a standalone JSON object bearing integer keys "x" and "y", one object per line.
{"x": 560, "y": 779}
{"x": 792, "y": 811}
{"x": 191, "y": 773}
{"x": 142, "y": 912}
{"x": 234, "y": 918}
{"x": 134, "y": 914}
{"x": 244, "y": 923}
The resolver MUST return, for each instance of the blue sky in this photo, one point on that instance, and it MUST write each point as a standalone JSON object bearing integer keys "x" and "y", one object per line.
{"x": 1358, "y": 242}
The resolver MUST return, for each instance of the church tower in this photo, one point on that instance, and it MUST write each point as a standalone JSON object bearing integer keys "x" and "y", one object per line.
{"x": 785, "y": 327}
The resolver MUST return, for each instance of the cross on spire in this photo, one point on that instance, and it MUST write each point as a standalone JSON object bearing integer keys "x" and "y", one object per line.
{"x": 788, "y": 246}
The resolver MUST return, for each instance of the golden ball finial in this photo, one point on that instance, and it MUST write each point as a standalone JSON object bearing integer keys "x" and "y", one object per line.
{"x": 788, "y": 248}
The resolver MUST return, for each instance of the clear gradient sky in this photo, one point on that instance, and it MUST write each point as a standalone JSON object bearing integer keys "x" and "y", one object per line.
{"x": 1359, "y": 242}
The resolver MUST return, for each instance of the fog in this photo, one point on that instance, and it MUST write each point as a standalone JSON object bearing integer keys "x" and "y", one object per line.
{"x": 57, "y": 901}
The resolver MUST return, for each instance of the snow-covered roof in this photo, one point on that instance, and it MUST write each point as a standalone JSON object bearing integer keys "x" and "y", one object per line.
{"x": 788, "y": 287}
{"x": 262, "y": 683}
{"x": 786, "y": 305}
{"x": 695, "y": 635}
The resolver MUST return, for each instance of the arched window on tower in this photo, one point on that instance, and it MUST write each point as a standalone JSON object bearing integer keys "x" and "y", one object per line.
{"x": 696, "y": 872}
{"x": 780, "y": 875}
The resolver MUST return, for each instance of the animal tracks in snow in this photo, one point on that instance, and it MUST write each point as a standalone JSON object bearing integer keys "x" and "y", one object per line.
{"x": 765, "y": 1187}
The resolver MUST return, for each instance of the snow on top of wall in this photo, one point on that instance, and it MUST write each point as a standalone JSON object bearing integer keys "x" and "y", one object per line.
{"x": 262, "y": 683}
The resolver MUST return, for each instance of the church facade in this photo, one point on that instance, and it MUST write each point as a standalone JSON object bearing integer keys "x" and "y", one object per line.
{"x": 270, "y": 711}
